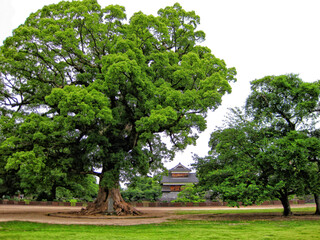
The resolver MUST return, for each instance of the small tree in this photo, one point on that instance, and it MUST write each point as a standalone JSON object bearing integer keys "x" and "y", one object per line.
{"x": 142, "y": 188}
{"x": 189, "y": 193}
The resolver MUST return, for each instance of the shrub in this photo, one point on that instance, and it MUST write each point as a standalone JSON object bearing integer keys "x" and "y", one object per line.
{"x": 190, "y": 193}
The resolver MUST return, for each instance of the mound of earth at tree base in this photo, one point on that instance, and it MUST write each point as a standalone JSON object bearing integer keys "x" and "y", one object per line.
{"x": 143, "y": 214}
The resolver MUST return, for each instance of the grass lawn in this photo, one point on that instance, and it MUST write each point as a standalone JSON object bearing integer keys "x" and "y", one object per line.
{"x": 243, "y": 210}
{"x": 172, "y": 230}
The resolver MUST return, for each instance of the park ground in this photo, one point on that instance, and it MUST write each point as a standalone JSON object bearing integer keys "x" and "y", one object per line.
{"x": 66, "y": 215}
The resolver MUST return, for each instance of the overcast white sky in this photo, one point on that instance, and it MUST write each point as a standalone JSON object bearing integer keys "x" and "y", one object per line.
{"x": 258, "y": 37}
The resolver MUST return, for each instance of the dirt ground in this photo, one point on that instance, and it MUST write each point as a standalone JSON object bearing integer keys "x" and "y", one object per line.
{"x": 62, "y": 215}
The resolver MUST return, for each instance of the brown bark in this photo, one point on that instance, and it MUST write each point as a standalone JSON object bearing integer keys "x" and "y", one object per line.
{"x": 317, "y": 201}
{"x": 286, "y": 204}
{"x": 110, "y": 201}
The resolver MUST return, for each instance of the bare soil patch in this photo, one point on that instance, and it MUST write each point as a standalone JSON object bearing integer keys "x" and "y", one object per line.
{"x": 67, "y": 215}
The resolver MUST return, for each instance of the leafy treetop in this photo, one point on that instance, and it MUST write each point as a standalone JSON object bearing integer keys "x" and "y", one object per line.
{"x": 81, "y": 89}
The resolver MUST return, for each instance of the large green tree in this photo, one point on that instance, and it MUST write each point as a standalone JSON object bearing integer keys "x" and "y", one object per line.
{"x": 268, "y": 150}
{"x": 85, "y": 90}
{"x": 289, "y": 104}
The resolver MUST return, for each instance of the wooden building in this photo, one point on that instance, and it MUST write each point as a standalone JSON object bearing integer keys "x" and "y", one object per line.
{"x": 178, "y": 177}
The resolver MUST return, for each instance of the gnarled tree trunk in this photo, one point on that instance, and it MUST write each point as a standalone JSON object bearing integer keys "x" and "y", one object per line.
{"x": 110, "y": 201}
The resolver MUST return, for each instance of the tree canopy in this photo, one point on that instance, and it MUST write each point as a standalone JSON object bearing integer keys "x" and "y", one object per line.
{"x": 82, "y": 89}
{"x": 267, "y": 150}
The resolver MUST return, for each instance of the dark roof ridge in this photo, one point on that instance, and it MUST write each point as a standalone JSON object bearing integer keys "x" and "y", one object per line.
{"x": 192, "y": 178}
{"x": 179, "y": 168}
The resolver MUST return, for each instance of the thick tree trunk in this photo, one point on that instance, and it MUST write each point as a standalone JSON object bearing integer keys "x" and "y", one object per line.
{"x": 317, "y": 201}
{"x": 110, "y": 201}
{"x": 286, "y": 205}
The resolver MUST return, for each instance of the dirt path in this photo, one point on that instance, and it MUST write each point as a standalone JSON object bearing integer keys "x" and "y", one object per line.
{"x": 61, "y": 215}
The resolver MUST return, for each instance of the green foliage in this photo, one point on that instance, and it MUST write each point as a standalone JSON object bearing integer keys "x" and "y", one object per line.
{"x": 283, "y": 100}
{"x": 81, "y": 89}
{"x": 85, "y": 190}
{"x": 189, "y": 193}
{"x": 142, "y": 189}
{"x": 268, "y": 150}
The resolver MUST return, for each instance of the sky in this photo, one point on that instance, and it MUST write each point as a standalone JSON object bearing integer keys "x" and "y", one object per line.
{"x": 257, "y": 37}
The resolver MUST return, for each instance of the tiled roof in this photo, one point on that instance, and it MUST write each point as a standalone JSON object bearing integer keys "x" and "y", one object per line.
{"x": 191, "y": 179}
{"x": 180, "y": 168}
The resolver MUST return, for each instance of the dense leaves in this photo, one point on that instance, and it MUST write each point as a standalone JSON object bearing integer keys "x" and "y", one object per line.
{"x": 83, "y": 90}
{"x": 190, "y": 193}
{"x": 268, "y": 150}
{"x": 143, "y": 189}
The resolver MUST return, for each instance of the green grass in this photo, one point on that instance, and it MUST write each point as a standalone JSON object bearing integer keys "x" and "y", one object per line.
{"x": 171, "y": 230}
{"x": 239, "y": 211}
{"x": 178, "y": 229}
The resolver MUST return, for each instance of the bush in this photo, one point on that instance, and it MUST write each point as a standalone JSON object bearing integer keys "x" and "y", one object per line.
{"x": 190, "y": 193}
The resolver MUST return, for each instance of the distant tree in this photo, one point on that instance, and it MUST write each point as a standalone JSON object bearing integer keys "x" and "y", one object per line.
{"x": 142, "y": 188}
{"x": 262, "y": 153}
{"x": 9, "y": 179}
{"x": 84, "y": 190}
{"x": 229, "y": 171}
{"x": 189, "y": 193}
{"x": 84, "y": 90}
{"x": 9, "y": 183}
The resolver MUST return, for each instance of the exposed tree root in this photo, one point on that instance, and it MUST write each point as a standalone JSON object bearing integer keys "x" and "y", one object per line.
{"x": 110, "y": 202}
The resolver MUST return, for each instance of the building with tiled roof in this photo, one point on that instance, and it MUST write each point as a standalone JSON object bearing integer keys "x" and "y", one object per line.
{"x": 178, "y": 177}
